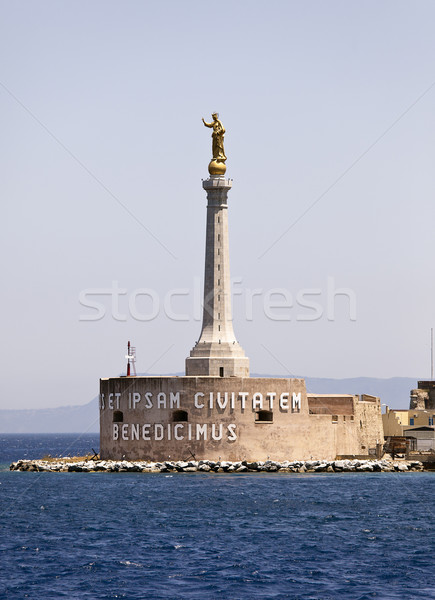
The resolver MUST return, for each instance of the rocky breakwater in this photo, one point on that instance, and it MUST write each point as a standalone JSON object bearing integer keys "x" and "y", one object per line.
{"x": 209, "y": 466}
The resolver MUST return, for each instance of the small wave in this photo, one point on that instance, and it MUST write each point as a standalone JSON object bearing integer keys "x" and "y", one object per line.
{"x": 129, "y": 563}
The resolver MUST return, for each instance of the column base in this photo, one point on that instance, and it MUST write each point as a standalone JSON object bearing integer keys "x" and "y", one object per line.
{"x": 217, "y": 367}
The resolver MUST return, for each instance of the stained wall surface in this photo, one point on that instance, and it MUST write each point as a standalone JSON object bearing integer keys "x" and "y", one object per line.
{"x": 234, "y": 418}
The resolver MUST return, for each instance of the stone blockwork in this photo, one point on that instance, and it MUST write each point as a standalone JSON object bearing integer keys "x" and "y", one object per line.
{"x": 423, "y": 398}
{"x": 233, "y": 419}
{"x": 368, "y": 421}
{"x": 418, "y": 399}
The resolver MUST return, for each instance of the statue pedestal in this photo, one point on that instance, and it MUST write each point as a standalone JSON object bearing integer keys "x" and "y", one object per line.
{"x": 217, "y": 167}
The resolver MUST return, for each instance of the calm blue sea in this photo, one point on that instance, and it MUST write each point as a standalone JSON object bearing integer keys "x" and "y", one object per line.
{"x": 201, "y": 536}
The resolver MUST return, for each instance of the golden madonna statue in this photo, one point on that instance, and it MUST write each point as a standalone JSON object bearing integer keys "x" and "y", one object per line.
{"x": 217, "y": 164}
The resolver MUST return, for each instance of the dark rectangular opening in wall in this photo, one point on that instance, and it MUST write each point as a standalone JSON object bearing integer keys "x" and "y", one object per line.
{"x": 179, "y": 415}
{"x": 118, "y": 416}
{"x": 221, "y": 371}
{"x": 264, "y": 416}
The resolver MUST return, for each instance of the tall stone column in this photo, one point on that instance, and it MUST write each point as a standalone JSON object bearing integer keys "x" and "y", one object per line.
{"x": 217, "y": 353}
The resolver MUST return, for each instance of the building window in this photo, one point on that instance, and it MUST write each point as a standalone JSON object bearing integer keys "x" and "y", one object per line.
{"x": 264, "y": 416}
{"x": 411, "y": 421}
{"x": 219, "y": 237}
{"x": 221, "y": 369}
{"x": 352, "y": 418}
{"x": 219, "y": 267}
{"x": 179, "y": 415}
{"x": 431, "y": 421}
{"x": 118, "y": 416}
{"x": 335, "y": 418}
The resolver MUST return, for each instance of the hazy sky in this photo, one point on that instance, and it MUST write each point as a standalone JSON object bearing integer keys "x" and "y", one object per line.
{"x": 103, "y": 152}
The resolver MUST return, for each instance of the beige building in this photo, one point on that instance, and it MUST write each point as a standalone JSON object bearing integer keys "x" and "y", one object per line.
{"x": 396, "y": 421}
{"x": 421, "y": 411}
{"x": 416, "y": 423}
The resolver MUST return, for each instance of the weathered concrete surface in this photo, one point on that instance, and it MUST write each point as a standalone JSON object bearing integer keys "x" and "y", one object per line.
{"x": 229, "y": 418}
{"x": 210, "y": 466}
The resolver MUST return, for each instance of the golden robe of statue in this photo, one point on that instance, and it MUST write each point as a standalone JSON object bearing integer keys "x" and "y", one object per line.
{"x": 217, "y": 138}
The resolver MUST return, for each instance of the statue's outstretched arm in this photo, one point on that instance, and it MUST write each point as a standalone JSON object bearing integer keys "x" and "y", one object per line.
{"x": 207, "y": 124}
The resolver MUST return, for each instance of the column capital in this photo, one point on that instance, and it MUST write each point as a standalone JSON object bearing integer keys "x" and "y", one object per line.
{"x": 217, "y": 182}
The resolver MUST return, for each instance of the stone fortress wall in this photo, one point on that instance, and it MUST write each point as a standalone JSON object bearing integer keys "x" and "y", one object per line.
{"x": 234, "y": 418}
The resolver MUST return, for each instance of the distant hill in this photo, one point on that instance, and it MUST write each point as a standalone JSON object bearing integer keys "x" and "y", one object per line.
{"x": 84, "y": 418}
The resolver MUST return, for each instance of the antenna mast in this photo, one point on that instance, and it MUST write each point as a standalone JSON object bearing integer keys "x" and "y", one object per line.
{"x": 131, "y": 359}
{"x": 431, "y": 353}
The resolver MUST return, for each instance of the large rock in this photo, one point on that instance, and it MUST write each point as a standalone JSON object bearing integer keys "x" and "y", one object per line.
{"x": 340, "y": 465}
{"x": 365, "y": 467}
{"x": 310, "y": 464}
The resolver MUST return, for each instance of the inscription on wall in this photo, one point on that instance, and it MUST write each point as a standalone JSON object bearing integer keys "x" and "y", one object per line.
{"x": 233, "y": 401}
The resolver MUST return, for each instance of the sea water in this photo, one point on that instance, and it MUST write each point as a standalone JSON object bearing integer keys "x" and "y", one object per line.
{"x": 210, "y": 536}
